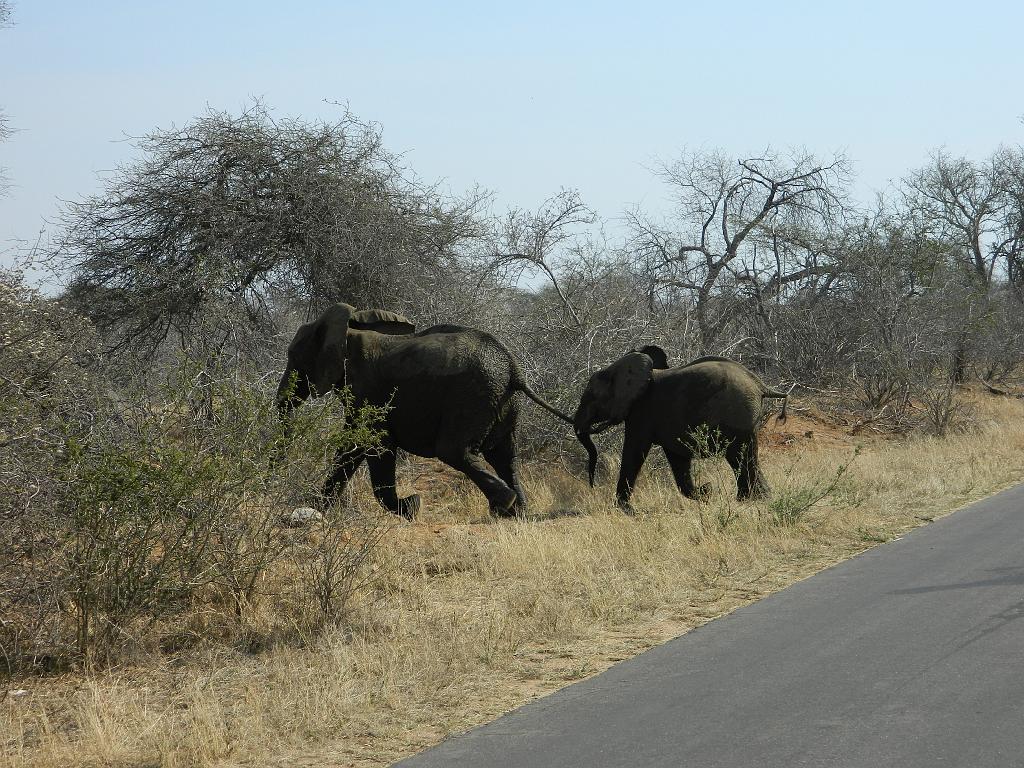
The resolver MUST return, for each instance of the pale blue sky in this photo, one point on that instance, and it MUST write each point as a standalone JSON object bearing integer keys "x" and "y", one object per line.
{"x": 522, "y": 98}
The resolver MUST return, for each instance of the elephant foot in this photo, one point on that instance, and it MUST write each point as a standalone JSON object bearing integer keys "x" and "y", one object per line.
{"x": 505, "y": 507}
{"x": 759, "y": 490}
{"x": 409, "y": 507}
{"x": 700, "y": 492}
{"x": 520, "y": 508}
{"x": 516, "y": 510}
{"x": 626, "y": 507}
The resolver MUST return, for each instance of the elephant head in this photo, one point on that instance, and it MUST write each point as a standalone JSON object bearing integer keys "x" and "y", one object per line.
{"x": 657, "y": 355}
{"x": 611, "y": 393}
{"x": 316, "y": 356}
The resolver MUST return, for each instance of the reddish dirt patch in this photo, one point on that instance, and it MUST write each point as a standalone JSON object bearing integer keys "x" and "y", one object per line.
{"x": 806, "y": 428}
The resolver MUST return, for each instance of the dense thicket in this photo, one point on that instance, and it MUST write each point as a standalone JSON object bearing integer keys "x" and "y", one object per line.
{"x": 226, "y": 233}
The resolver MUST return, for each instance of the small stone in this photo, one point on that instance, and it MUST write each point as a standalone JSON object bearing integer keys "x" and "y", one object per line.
{"x": 301, "y": 516}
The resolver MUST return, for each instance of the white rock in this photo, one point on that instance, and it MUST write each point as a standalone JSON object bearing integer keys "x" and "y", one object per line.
{"x": 303, "y": 516}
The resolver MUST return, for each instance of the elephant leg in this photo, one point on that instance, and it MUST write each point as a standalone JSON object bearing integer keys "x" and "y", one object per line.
{"x": 382, "y": 476}
{"x": 742, "y": 457}
{"x": 682, "y": 470}
{"x": 345, "y": 465}
{"x": 634, "y": 453}
{"x": 502, "y": 456}
{"x": 501, "y": 498}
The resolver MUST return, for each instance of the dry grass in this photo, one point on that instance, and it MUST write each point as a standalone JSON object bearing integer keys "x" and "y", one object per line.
{"x": 467, "y": 618}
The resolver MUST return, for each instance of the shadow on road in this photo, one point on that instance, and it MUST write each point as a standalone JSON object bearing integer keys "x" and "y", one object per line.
{"x": 1009, "y": 577}
{"x": 1004, "y": 577}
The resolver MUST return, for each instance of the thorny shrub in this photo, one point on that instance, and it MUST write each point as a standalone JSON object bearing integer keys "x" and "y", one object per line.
{"x": 792, "y": 499}
{"x": 125, "y": 515}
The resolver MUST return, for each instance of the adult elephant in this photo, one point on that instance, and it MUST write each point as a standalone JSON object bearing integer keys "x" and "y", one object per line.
{"x": 671, "y": 407}
{"x": 451, "y": 392}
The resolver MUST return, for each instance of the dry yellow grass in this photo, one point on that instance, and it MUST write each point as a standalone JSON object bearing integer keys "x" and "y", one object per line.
{"x": 467, "y": 618}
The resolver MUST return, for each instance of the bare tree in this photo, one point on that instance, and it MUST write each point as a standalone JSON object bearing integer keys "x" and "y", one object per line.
{"x": 228, "y": 219}
{"x": 1009, "y": 244}
{"x": 974, "y": 206}
{"x": 529, "y": 242}
{"x": 726, "y": 209}
{"x": 964, "y": 202}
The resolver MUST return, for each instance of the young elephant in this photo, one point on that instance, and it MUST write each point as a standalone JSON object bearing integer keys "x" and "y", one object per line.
{"x": 667, "y": 406}
{"x": 452, "y": 393}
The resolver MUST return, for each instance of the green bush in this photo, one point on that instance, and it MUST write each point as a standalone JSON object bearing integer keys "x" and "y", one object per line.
{"x": 790, "y": 502}
{"x": 157, "y": 510}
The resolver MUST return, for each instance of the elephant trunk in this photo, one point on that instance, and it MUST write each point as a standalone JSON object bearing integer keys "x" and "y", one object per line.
{"x": 291, "y": 392}
{"x": 583, "y": 426}
{"x": 588, "y": 443}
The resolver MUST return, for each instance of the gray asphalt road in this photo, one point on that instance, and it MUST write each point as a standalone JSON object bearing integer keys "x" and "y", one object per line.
{"x": 907, "y": 655}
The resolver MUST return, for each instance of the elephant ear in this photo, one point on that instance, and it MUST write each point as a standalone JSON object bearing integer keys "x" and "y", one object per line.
{"x": 627, "y": 378}
{"x": 381, "y": 321}
{"x": 317, "y": 353}
{"x": 657, "y": 354}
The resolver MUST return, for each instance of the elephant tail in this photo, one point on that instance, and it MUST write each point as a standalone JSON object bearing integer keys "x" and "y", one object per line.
{"x": 525, "y": 389}
{"x": 784, "y": 396}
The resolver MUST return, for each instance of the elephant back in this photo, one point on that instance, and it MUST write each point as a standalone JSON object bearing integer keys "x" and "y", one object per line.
{"x": 444, "y": 328}
{"x": 732, "y": 394}
{"x": 741, "y": 370}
